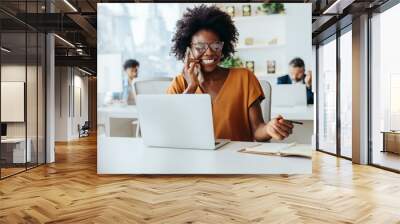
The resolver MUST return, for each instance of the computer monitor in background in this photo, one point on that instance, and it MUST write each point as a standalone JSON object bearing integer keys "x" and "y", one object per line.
{"x": 289, "y": 95}
{"x": 3, "y": 130}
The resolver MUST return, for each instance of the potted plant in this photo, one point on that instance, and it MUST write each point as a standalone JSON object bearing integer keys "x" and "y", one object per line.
{"x": 231, "y": 62}
{"x": 271, "y": 8}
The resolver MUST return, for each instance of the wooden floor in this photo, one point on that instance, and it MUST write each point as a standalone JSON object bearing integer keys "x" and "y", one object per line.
{"x": 386, "y": 159}
{"x": 70, "y": 191}
{"x": 5, "y": 172}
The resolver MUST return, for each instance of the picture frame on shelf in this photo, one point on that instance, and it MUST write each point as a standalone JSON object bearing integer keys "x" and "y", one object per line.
{"x": 230, "y": 10}
{"x": 246, "y": 10}
{"x": 273, "y": 41}
{"x": 271, "y": 66}
{"x": 250, "y": 65}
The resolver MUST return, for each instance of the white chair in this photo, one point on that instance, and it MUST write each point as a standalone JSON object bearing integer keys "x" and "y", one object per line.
{"x": 266, "y": 103}
{"x": 157, "y": 85}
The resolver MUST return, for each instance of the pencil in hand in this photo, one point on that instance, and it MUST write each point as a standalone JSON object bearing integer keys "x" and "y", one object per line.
{"x": 294, "y": 122}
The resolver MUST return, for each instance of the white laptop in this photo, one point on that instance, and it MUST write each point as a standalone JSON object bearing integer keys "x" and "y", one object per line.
{"x": 177, "y": 121}
{"x": 289, "y": 95}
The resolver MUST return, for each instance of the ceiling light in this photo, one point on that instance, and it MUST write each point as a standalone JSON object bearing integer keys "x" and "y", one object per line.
{"x": 70, "y": 5}
{"x": 65, "y": 41}
{"x": 338, "y": 6}
{"x": 5, "y": 50}
{"x": 84, "y": 71}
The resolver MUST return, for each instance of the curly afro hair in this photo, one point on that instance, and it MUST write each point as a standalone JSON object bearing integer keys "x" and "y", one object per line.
{"x": 208, "y": 18}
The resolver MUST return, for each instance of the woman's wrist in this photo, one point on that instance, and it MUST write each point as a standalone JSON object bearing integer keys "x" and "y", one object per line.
{"x": 267, "y": 135}
{"x": 262, "y": 134}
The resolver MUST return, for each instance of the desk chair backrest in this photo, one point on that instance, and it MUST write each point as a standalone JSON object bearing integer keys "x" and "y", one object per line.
{"x": 266, "y": 103}
{"x": 86, "y": 125}
{"x": 157, "y": 85}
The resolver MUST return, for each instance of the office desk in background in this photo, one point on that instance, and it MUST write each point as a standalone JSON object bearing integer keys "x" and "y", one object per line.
{"x": 116, "y": 120}
{"x": 130, "y": 156}
{"x": 13, "y": 150}
{"x": 301, "y": 133}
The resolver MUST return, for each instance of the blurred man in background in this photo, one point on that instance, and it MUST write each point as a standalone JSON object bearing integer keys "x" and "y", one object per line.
{"x": 297, "y": 75}
{"x": 131, "y": 68}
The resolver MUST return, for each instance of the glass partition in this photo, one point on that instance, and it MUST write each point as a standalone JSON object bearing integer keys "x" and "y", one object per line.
{"x": 22, "y": 77}
{"x": 13, "y": 114}
{"x": 327, "y": 96}
{"x": 385, "y": 89}
{"x": 346, "y": 94}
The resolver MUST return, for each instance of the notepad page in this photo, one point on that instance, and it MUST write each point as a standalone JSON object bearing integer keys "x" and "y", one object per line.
{"x": 299, "y": 150}
{"x": 273, "y": 148}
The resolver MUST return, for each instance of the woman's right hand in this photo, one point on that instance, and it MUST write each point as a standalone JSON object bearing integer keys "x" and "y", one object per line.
{"x": 190, "y": 70}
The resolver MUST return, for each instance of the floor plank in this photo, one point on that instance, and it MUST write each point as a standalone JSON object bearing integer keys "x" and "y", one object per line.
{"x": 70, "y": 191}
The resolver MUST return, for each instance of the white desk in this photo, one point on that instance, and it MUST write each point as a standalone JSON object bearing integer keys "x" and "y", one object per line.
{"x": 19, "y": 155}
{"x": 105, "y": 114}
{"x": 130, "y": 156}
{"x": 120, "y": 111}
{"x": 301, "y": 134}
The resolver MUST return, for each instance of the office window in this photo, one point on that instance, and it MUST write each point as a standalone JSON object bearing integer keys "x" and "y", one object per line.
{"x": 327, "y": 96}
{"x": 346, "y": 94}
{"x": 385, "y": 87}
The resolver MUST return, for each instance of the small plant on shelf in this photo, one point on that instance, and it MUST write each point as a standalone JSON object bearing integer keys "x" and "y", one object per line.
{"x": 271, "y": 8}
{"x": 231, "y": 62}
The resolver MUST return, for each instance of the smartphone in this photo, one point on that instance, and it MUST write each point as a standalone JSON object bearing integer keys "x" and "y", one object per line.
{"x": 189, "y": 51}
{"x": 191, "y": 56}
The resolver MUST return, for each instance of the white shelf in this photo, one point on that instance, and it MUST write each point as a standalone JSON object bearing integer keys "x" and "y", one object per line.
{"x": 257, "y": 17}
{"x": 264, "y": 75}
{"x": 258, "y": 46}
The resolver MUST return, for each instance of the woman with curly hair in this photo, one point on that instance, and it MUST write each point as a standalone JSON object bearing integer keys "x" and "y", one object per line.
{"x": 205, "y": 36}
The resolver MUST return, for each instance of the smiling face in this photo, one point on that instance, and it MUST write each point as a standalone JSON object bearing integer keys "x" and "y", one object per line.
{"x": 208, "y": 46}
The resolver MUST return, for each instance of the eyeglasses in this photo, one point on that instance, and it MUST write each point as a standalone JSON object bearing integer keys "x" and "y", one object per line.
{"x": 201, "y": 48}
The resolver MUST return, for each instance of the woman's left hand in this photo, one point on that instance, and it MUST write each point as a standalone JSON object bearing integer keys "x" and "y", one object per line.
{"x": 278, "y": 128}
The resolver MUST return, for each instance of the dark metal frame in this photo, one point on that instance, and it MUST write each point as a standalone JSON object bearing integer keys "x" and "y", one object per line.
{"x": 339, "y": 32}
{"x": 44, "y": 79}
{"x": 0, "y": 90}
{"x": 338, "y": 98}
{"x": 369, "y": 78}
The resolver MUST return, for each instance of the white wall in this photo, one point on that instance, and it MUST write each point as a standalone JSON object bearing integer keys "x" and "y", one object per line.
{"x": 33, "y": 126}
{"x": 79, "y": 117}
{"x": 299, "y": 33}
{"x": 292, "y": 29}
{"x": 67, "y": 115}
{"x": 12, "y": 73}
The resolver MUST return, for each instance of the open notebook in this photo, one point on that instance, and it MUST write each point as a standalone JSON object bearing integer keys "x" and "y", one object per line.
{"x": 280, "y": 149}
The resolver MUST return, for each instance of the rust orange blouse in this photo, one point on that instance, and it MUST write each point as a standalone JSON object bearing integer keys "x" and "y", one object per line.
{"x": 230, "y": 107}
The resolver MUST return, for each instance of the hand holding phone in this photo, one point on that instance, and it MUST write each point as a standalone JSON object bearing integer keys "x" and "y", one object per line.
{"x": 191, "y": 71}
